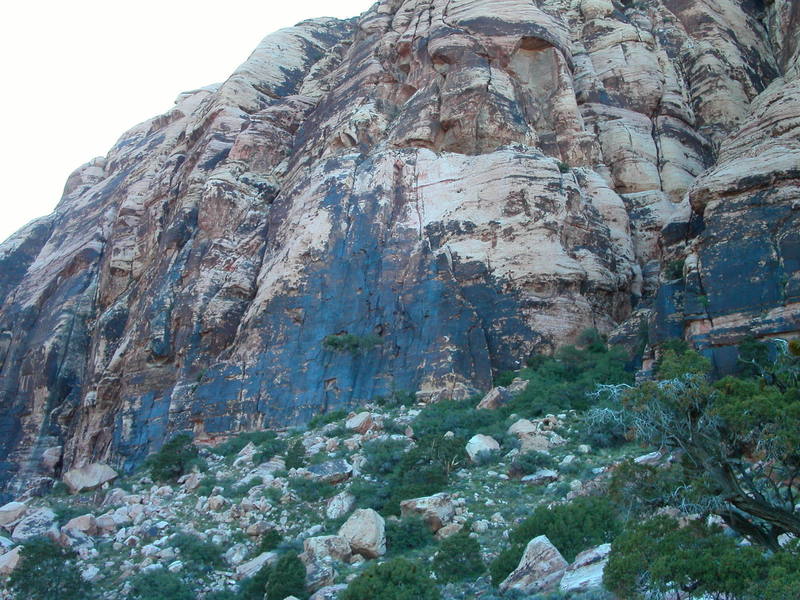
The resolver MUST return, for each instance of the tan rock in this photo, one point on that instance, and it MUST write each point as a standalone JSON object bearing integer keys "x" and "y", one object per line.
{"x": 253, "y": 566}
{"x": 89, "y": 477}
{"x": 586, "y": 572}
{"x": 437, "y": 510}
{"x": 339, "y": 505}
{"x": 449, "y": 530}
{"x": 11, "y": 513}
{"x": 41, "y": 522}
{"x": 479, "y": 445}
{"x": 494, "y": 398}
{"x": 365, "y": 532}
{"x": 84, "y": 524}
{"x": 9, "y": 561}
{"x": 361, "y": 422}
{"x": 328, "y": 546}
{"x": 540, "y": 569}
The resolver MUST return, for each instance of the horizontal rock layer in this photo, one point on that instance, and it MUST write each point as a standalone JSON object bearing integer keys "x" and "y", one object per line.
{"x": 411, "y": 200}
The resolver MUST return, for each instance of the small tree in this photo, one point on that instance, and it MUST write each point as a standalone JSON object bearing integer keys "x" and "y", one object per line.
{"x": 46, "y": 572}
{"x": 175, "y": 458}
{"x": 397, "y": 579}
{"x": 458, "y": 558}
{"x": 287, "y": 578}
{"x": 296, "y": 455}
{"x": 159, "y": 585}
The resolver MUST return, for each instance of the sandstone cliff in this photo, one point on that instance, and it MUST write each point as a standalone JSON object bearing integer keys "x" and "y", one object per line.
{"x": 455, "y": 183}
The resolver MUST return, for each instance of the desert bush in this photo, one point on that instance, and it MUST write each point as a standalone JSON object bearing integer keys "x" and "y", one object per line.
{"x": 354, "y": 344}
{"x": 175, "y": 458}
{"x": 309, "y": 490}
{"x": 286, "y": 578}
{"x": 396, "y": 579}
{"x": 530, "y": 462}
{"x": 296, "y": 455}
{"x": 407, "y": 534}
{"x": 505, "y": 562}
{"x": 325, "y": 418}
{"x": 196, "y": 554}
{"x": 458, "y": 558}
{"x": 270, "y": 540}
{"x": 266, "y": 442}
{"x": 383, "y": 456}
{"x": 253, "y": 587}
{"x": 159, "y": 585}
{"x": 46, "y": 571}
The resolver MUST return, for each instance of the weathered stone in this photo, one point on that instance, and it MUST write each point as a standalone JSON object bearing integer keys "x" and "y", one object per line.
{"x": 89, "y": 477}
{"x": 365, "y": 532}
{"x": 480, "y": 445}
{"x": 51, "y": 457}
{"x": 449, "y": 530}
{"x": 437, "y": 510}
{"x": 540, "y": 569}
{"x": 84, "y": 524}
{"x": 319, "y": 574}
{"x": 41, "y": 522}
{"x": 253, "y": 566}
{"x": 495, "y": 398}
{"x": 330, "y": 592}
{"x": 586, "y": 572}
{"x": 541, "y": 477}
{"x": 332, "y": 471}
{"x": 11, "y": 513}
{"x": 328, "y": 546}
{"x": 361, "y": 422}
{"x": 9, "y": 561}
{"x": 339, "y": 505}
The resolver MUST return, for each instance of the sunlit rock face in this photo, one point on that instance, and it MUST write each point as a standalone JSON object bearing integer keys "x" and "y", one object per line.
{"x": 456, "y": 183}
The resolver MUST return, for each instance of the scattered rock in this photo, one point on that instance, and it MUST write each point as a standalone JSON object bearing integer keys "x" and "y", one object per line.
{"x": 41, "y": 522}
{"x": 319, "y": 574}
{"x": 365, "y": 532}
{"x": 341, "y": 504}
{"x": 9, "y": 561}
{"x": 539, "y": 570}
{"x": 327, "y": 547}
{"x": 90, "y": 573}
{"x": 253, "y": 566}
{"x": 437, "y": 510}
{"x": 449, "y": 530}
{"x": 541, "y": 477}
{"x": 330, "y": 592}
{"x": 495, "y": 398}
{"x": 11, "y": 513}
{"x": 586, "y": 572}
{"x": 84, "y": 524}
{"x": 481, "y": 444}
{"x": 332, "y": 471}
{"x": 89, "y": 477}
{"x": 361, "y": 422}
{"x": 651, "y": 459}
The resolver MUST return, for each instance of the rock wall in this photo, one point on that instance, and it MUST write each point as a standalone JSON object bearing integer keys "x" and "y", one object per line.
{"x": 446, "y": 185}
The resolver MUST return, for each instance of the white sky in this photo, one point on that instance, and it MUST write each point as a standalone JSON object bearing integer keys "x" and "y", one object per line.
{"x": 75, "y": 74}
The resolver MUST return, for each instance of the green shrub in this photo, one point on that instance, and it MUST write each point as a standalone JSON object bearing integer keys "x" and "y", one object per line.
{"x": 325, "y": 418}
{"x": 461, "y": 418}
{"x": 504, "y": 378}
{"x": 659, "y": 554}
{"x": 458, "y": 558}
{"x": 397, "y": 398}
{"x": 585, "y": 522}
{"x": 530, "y": 462}
{"x": 235, "y": 445}
{"x": 175, "y": 458}
{"x": 287, "y": 578}
{"x": 309, "y": 490}
{"x": 253, "y": 587}
{"x": 197, "y": 555}
{"x": 674, "y": 269}
{"x": 383, "y": 456}
{"x": 159, "y": 585}
{"x": 46, "y": 571}
{"x": 296, "y": 456}
{"x": 563, "y": 167}
{"x": 354, "y": 344}
{"x": 407, "y": 534}
{"x": 370, "y": 494}
{"x": 270, "y": 540}
{"x": 396, "y": 579}
{"x": 508, "y": 560}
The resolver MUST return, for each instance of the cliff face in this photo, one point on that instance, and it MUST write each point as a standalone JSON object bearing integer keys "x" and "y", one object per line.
{"x": 457, "y": 183}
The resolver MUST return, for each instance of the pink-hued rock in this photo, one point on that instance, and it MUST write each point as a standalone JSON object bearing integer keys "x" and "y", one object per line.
{"x": 88, "y": 477}
{"x": 437, "y": 510}
{"x": 11, "y": 513}
{"x": 454, "y": 186}
{"x": 9, "y": 561}
{"x": 365, "y": 532}
{"x": 540, "y": 569}
{"x": 586, "y": 572}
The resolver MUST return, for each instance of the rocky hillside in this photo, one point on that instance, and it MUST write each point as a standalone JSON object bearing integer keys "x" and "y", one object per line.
{"x": 410, "y": 201}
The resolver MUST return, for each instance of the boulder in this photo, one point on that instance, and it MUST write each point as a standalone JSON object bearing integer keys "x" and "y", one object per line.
{"x": 494, "y": 398}
{"x": 327, "y": 547}
{"x": 11, "y": 513}
{"x": 332, "y": 471}
{"x": 365, "y": 532}
{"x": 330, "y": 592}
{"x": 541, "y": 477}
{"x": 437, "y": 510}
{"x": 50, "y": 458}
{"x": 253, "y": 566}
{"x": 517, "y": 386}
{"x": 539, "y": 570}
{"x": 449, "y": 530}
{"x": 480, "y": 445}
{"x": 84, "y": 524}
{"x": 9, "y": 561}
{"x": 523, "y": 427}
{"x": 540, "y": 442}
{"x": 361, "y": 422}
{"x": 319, "y": 574}
{"x": 341, "y": 504}
{"x": 88, "y": 477}
{"x": 38, "y": 523}
{"x": 586, "y": 572}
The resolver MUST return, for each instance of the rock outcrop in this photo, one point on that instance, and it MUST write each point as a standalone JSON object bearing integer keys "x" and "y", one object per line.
{"x": 412, "y": 200}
